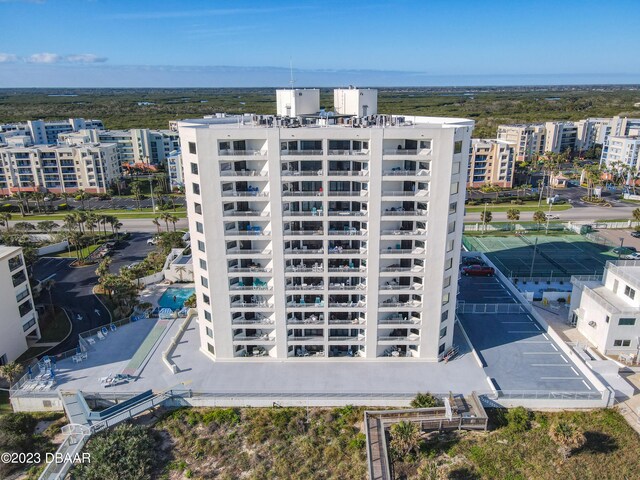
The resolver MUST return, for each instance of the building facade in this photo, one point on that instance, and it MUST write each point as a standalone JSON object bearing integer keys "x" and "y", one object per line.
{"x": 340, "y": 241}
{"x": 58, "y": 168}
{"x": 175, "y": 171}
{"x": 46, "y": 133}
{"x": 19, "y": 319}
{"x": 620, "y": 150}
{"x": 492, "y": 162}
{"x": 560, "y": 136}
{"x": 607, "y": 310}
{"x": 528, "y": 140}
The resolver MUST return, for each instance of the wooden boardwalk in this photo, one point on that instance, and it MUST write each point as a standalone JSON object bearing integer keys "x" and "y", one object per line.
{"x": 461, "y": 414}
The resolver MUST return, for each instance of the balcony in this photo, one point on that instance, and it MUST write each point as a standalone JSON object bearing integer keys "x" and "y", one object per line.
{"x": 348, "y": 173}
{"x": 403, "y": 193}
{"x": 245, "y": 213}
{"x": 404, "y": 338}
{"x": 347, "y": 213}
{"x": 303, "y": 193}
{"x": 401, "y": 172}
{"x": 301, "y": 152}
{"x": 347, "y": 338}
{"x": 233, "y": 270}
{"x": 399, "y": 211}
{"x": 302, "y": 173}
{"x": 396, "y": 303}
{"x": 303, "y": 304}
{"x": 347, "y": 251}
{"x": 347, "y": 152}
{"x": 307, "y": 320}
{"x": 243, "y": 251}
{"x": 243, "y": 173}
{"x": 349, "y": 193}
{"x": 312, "y": 232}
{"x": 303, "y": 251}
{"x": 304, "y": 286}
{"x": 402, "y": 251}
{"x": 407, "y": 232}
{"x": 315, "y": 268}
{"x": 253, "y": 321}
{"x": 251, "y": 304}
{"x": 399, "y": 320}
{"x": 238, "y": 153}
{"x": 252, "y": 192}
{"x": 398, "y": 268}
{"x": 358, "y": 304}
{"x": 305, "y": 338}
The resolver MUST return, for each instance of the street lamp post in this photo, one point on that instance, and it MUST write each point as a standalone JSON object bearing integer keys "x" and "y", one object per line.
{"x": 620, "y": 249}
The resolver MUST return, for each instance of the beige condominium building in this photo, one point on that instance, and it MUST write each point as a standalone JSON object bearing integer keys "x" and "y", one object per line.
{"x": 491, "y": 163}
{"x": 528, "y": 140}
{"x": 325, "y": 234}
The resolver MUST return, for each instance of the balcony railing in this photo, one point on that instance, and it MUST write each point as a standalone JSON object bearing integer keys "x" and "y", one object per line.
{"x": 248, "y": 233}
{"x": 398, "y": 320}
{"x": 358, "y": 193}
{"x": 347, "y": 269}
{"x": 342, "y": 286}
{"x": 301, "y": 173}
{"x": 257, "y": 321}
{"x": 348, "y": 173}
{"x": 312, "y": 338}
{"x": 410, "y": 303}
{"x": 307, "y": 193}
{"x": 347, "y": 152}
{"x": 305, "y": 305}
{"x": 301, "y": 152}
{"x": 245, "y": 213}
{"x": 418, "y": 231}
{"x": 295, "y": 251}
{"x": 405, "y": 338}
{"x": 340, "y": 338}
{"x": 304, "y": 287}
{"x": 251, "y": 304}
{"x": 407, "y": 151}
{"x": 350, "y": 231}
{"x": 345, "y": 213}
{"x": 346, "y": 321}
{"x": 243, "y": 173}
{"x": 402, "y": 269}
{"x": 404, "y": 212}
{"x": 359, "y": 304}
{"x": 306, "y": 321}
{"x": 304, "y": 269}
{"x": 238, "y": 251}
{"x": 411, "y": 193}
{"x": 309, "y": 213}
{"x": 347, "y": 251}
{"x": 248, "y": 269}
{"x": 224, "y": 153}
{"x": 304, "y": 232}
{"x": 400, "y": 287}
{"x": 396, "y": 251}
{"x": 244, "y": 193}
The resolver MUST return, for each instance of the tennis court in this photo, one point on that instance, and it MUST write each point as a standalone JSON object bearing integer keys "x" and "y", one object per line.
{"x": 557, "y": 255}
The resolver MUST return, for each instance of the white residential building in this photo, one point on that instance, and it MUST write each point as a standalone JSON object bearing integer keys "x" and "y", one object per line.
{"x": 46, "y": 133}
{"x": 325, "y": 236}
{"x": 560, "y": 136}
{"x": 58, "y": 168}
{"x": 621, "y": 149}
{"x": 607, "y": 311}
{"x": 19, "y": 319}
{"x": 138, "y": 145}
{"x": 174, "y": 169}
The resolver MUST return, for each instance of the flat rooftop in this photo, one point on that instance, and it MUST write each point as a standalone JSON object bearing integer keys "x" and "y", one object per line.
{"x": 6, "y": 250}
{"x": 325, "y": 121}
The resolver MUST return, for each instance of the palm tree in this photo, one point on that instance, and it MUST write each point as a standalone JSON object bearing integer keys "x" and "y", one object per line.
{"x": 539, "y": 217}
{"x": 75, "y": 238}
{"x": 166, "y": 217}
{"x": 636, "y": 215}
{"x": 82, "y": 196}
{"x": 405, "y": 438}
{"x": 102, "y": 220}
{"x": 485, "y": 218}
{"x": 567, "y": 436}
{"x": 513, "y": 215}
{"x": 180, "y": 270}
{"x": 91, "y": 221}
{"x": 173, "y": 219}
{"x": 116, "y": 227}
{"x": 48, "y": 285}
{"x": 425, "y": 400}
{"x": 24, "y": 226}
{"x": 156, "y": 222}
{"x": 38, "y": 197}
{"x": 137, "y": 192}
{"x": 103, "y": 267}
{"x": 10, "y": 371}
{"x": 4, "y": 219}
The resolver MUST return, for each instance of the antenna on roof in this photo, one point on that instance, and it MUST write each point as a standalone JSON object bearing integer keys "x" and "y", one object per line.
{"x": 291, "y": 81}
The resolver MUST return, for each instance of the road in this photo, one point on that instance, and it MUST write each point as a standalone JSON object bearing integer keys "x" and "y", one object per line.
{"x": 73, "y": 289}
{"x": 133, "y": 225}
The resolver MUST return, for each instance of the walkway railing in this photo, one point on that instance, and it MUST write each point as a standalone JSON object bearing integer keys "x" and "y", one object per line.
{"x": 492, "y": 308}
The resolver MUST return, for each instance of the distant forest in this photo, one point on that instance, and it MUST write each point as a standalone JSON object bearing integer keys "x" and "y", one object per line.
{"x": 154, "y": 108}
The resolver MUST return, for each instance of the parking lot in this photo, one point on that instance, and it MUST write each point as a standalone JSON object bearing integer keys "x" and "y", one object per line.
{"x": 517, "y": 353}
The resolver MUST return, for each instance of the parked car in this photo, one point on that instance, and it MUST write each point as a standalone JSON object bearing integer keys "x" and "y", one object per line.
{"x": 133, "y": 265}
{"x": 478, "y": 271}
{"x": 632, "y": 256}
{"x": 635, "y": 234}
{"x": 152, "y": 241}
{"x": 552, "y": 216}
{"x": 472, "y": 261}
{"x": 624, "y": 250}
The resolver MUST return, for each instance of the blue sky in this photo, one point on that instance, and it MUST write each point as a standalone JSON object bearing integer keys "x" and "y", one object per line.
{"x": 137, "y": 43}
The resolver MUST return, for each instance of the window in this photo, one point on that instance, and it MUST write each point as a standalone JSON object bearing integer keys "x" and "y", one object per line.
{"x": 199, "y": 227}
{"x": 203, "y": 264}
{"x": 454, "y": 188}
{"x": 445, "y": 298}
{"x": 455, "y": 169}
{"x": 204, "y": 281}
{"x": 627, "y": 321}
{"x": 192, "y": 148}
{"x": 28, "y": 325}
{"x": 18, "y": 278}
{"x": 629, "y": 292}
{"x": 448, "y": 263}
{"x": 621, "y": 343}
{"x": 25, "y": 308}
{"x": 15, "y": 262}
{"x": 201, "y": 245}
{"x": 211, "y": 349}
{"x": 198, "y": 208}
{"x": 447, "y": 282}
{"x": 450, "y": 244}
{"x": 194, "y": 168}
{"x": 209, "y": 332}
{"x": 445, "y": 316}
{"x": 451, "y": 227}
{"x": 457, "y": 147}
{"x": 453, "y": 207}
{"x": 443, "y": 332}
{"x": 607, "y": 318}
{"x": 207, "y": 315}
{"x": 441, "y": 349}
{"x": 196, "y": 188}
{"x": 206, "y": 299}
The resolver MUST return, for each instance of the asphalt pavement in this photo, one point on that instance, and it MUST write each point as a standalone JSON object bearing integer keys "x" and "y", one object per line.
{"x": 73, "y": 289}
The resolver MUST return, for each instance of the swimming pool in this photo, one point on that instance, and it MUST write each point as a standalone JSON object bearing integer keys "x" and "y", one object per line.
{"x": 174, "y": 298}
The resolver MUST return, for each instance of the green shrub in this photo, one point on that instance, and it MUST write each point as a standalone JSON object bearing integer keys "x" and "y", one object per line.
{"x": 221, "y": 416}
{"x": 518, "y": 419}
{"x": 425, "y": 400}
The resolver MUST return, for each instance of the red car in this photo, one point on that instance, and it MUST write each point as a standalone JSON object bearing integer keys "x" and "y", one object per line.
{"x": 478, "y": 271}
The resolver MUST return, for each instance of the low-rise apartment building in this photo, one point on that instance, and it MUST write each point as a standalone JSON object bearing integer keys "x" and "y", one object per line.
{"x": 19, "y": 319}
{"x": 58, "y": 168}
{"x": 46, "y": 132}
{"x": 528, "y": 140}
{"x": 621, "y": 150}
{"x": 492, "y": 162}
{"x": 560, "y": 137}
{"x": 606, "y": 310}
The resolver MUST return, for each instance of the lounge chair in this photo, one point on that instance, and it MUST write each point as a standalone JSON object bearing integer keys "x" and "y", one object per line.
{"x": 113, "y": 327}
{"x": 100, "y": 336}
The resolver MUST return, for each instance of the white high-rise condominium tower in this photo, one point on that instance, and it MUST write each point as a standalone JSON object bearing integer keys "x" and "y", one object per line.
{"x": 326, "y": 235}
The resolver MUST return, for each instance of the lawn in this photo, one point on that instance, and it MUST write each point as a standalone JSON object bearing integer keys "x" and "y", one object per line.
{"x": 73, "y": 254}
{"x": 121, "y": 214}
{"x": 56, "y": 330}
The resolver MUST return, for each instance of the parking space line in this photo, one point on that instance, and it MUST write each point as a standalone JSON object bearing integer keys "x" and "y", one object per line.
{"x": 559, "y": 378}
{"x": 536, "y": 325}
{"x": 586, "y": 384}
{"x": 574, "y": 371}
{"x": 545, "y": 336}
{"x": 540, "y": 353}
{"x": 565, "y": 360}
{"x": 516, "y": 322}
{"x": 522, "y": 331}
{"x": 536, "y": 341}
{"x": 548, "y": 365}
{"x": 554, "y": 347}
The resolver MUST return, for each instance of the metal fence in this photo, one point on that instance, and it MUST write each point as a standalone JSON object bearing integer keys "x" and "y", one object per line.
{"x": 492, "y": 308}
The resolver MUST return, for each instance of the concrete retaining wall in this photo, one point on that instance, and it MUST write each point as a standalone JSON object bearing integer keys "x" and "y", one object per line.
{"x": 54, "y": 248}
{"x": 149, "y": 279}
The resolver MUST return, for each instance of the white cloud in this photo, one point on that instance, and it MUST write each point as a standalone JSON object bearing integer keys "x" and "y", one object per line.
{"x": 50, "y": 58}
{"x": 8, "y": 58}
{"x": 85, "y": 58}
{"x": 44, "y": 58}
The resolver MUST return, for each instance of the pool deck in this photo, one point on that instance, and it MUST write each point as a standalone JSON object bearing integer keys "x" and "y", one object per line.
{"x": 153, "y": 293}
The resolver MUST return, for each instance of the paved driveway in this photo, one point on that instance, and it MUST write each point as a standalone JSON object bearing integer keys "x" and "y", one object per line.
{"x": 73, "y": 289}
{"x": 516, "y": 351}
